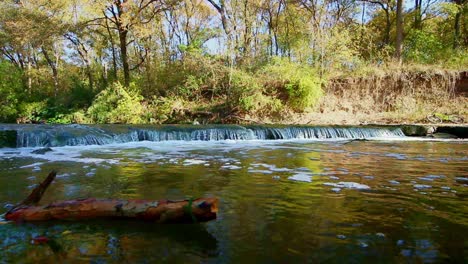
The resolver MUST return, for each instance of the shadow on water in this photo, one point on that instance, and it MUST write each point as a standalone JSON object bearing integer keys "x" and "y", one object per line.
{"x": 106, "y": 240}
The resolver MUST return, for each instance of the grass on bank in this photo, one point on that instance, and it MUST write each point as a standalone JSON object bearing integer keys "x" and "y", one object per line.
{"x": 207, "y": 89}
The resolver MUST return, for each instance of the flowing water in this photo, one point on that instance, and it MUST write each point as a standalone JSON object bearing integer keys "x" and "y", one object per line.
{"x": 287, "y": 194}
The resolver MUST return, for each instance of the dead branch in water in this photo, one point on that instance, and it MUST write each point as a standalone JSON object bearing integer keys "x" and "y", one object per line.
{"x": 163, "y": 211}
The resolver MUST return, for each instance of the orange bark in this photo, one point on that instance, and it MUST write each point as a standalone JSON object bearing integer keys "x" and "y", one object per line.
{"x": 199, "y": 210}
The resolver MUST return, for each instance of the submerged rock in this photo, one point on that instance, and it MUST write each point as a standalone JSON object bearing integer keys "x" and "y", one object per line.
{"x": 8, "y": 138}
{"x": 417, "y": 131}
{"x": 42, "y": 151}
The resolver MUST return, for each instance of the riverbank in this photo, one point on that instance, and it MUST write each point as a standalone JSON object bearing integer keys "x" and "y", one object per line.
{"x": 411, "y": 95}
{"x": 383, "y": 95}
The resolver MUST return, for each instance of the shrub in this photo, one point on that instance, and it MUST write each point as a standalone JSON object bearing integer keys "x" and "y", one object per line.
{"x": 10, "y": 92}
{"x": 243, "y": 90}
{"x": 77, "y": 117}
{"x": 161, "y": 109}
{"x": 117, "y": 104}
{"x": 301, "y": 83}
{"x": 33, "y": 111}
{"x": 422, "y": 47}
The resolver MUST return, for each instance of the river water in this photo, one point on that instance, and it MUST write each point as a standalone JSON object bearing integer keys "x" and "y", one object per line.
{"x": 296, "y": 200}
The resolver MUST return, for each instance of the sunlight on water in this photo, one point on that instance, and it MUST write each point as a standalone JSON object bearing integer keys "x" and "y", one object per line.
{"x": 281, "y": 201}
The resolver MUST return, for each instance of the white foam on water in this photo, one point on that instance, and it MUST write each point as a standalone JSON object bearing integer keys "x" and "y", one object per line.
{"x": 302, "y": 177}
{"x": 348, "y": 185}
{"x": 394, "y": 182}
{"x": 63, "y": 175}
{"x": 271, "y": 167}
{"x": 260, "y": 171}
{"x": 188, "y": 162}
{"x": 431, "y": 176}
{"x": 425, "y": 179}
{"x": 382, "y": 235}
{"x": 398, "y": 156}
{"x": 175, "y": 151}
{"x": 32, "y": 165}
{"x": 336, "y": 189}
{"x": 231, "y": 167}
{"x": 461, "y": 179}
{"x": 422, "y": 186}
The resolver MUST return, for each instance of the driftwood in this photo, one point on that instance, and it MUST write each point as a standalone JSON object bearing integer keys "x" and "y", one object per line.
{"x": 163, "y": 211}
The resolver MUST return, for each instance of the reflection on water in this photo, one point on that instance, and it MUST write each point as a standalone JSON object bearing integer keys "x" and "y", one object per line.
{"x": 296, "y": 201}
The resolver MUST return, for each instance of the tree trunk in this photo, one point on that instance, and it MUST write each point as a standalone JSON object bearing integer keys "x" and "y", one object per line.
{"x": 456, "y": 39}
{"x": 53, "y": 66}
{"x": 124, "y": 56}
{"x": 114, "y": 56}
{"x": 399, "y": 30}
{"x": 417, "y": 15}
{"x": 123, "y": 31}
{"x": 388, "y": 27}
{"x": 164, "y": 211}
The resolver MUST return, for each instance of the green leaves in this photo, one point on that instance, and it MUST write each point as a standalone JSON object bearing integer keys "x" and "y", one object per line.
{"x": 117, "y": 104}
{"x": 422, "y": 47}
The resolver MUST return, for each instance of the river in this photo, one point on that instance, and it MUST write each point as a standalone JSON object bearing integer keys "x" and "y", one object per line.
{"x": 298, "y": 195}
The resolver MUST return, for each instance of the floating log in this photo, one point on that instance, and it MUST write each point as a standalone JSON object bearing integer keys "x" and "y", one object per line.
{"x": 185, "y": 211}
{"x": 163, "y": 211}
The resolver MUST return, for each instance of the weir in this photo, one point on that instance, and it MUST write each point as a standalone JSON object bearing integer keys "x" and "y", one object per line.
{"x": 74, "y": 135}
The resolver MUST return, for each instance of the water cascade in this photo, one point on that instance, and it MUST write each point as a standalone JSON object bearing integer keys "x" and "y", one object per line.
{"x": 73, "y": 135}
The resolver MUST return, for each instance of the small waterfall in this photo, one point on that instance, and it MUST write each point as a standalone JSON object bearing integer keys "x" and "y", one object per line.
{"x": 73, "y": 135}
{"x": 326, "y": 133}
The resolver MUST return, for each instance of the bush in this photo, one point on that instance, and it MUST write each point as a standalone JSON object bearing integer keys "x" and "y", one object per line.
{"x": 194, "y": 77}
{"x": 161, "y": 109}
{"x": 422, "y": 47}
{"x": 243, "y": 90}
{"x": 301, "y": 83}
{"x": 117, "y": 104}
{"x": 10, "y": 91}
{"x": 77, "y": 117}
{"x": 32, "y": 112}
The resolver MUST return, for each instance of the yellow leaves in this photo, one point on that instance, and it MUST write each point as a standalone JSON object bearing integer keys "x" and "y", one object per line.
{"x": 66, "y": 232}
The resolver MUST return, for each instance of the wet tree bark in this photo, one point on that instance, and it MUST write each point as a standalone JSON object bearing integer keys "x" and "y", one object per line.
{"x": 162, "y": 211}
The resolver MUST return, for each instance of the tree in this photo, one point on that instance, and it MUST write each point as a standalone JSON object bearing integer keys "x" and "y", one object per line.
{"x": 125, "y": 15}
{"x": 399, "y": 30}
